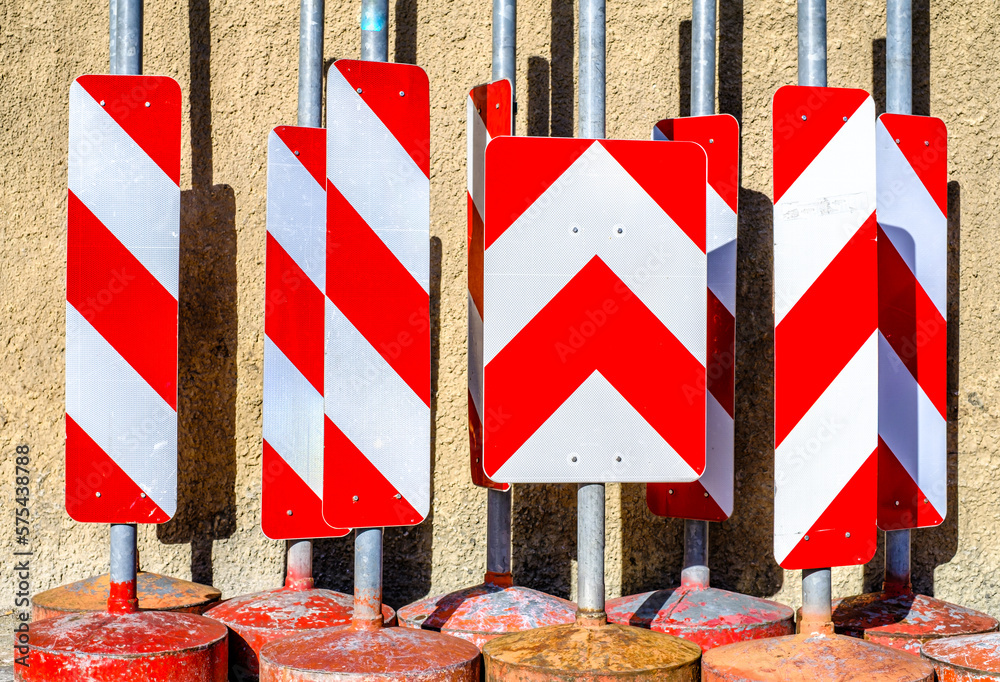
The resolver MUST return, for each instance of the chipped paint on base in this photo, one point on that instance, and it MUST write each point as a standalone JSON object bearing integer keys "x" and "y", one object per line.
{"x": 484, "y": 612}
{"x": 972, "y": 658}
{"x": 905, "y": 621}
{"x": 812, "y": 658}
{"x": 363, "y": 655}
{"x": 706, "y": 616}
{"x": 148, "y": 646}
{"x": 590, "y": 654}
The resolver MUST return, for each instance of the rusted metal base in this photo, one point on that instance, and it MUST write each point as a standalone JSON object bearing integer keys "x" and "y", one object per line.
{"x": 812, "y": 658}
{"x": 256, "y": 619}
{"x": 484, "y": 612}
{"x": 147, "y": 646}
{"x": 575, "y": 652}
{"x": 973, "y": 658}
{"x": 703, "y": 615}
{"x": 905, "y": 620}
{"x": 370, "y": 654}
{"x": 156, "y": 593}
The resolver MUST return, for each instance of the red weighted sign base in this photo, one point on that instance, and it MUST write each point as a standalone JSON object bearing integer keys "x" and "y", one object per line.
{"x": 256, "y": 619}
{"x": 156, "y": 593}
{"x": 812, "y": 658}
{"x": 906, "y": 621}
{"x": 370, "y": 654}
{"x": 151, "y": 645}
{"x": 973, "y": 658}
{"x": 704, "y": 615}
{"x": 484, "y": 612}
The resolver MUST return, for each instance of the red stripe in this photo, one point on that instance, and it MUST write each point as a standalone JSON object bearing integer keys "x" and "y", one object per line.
{"x": 924, "y": 143}
{"x": 845, "y": 533}
{"x": 406, "y": 117}
{"x": 912, "y": 325}
{"x": 309, "y": 147}
{"x": 479, "y": 476}
{"x": 798, "y": 142}
{"x": 156, "y": 128}
{"x": 475, "y": 251}
{"x": 284, "y": 491}
{"x": 377, "y": 294}
{"x": 595, "y": 323}
{"x": 347, "y": 474}
{"x": 294, "y": 313}
{"x": 721, "y": 367}
{"x": 825, "y": 329}
{"x": 89, "y": 472}
{"x": 683, "y": 501}
{"x": 901, "y": 502}
{"x": 122, "y": 300}
{"x": 719, "y": 136}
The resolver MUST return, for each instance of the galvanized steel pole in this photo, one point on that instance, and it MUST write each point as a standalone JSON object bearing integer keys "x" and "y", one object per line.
{"x": 812, "y": 42}
{"x": 112, "y": 32}
{"x": 592, "y": 72}
{"x": 375, "y": 30}
{"x": 816, "y": 600}
{"x": 125, "y": 27}
{"x": 311, "y": 63}
{"x": 498, "y": 502}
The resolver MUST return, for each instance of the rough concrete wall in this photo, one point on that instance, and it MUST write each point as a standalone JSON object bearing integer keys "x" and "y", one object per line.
{"x": 236, "y": 63}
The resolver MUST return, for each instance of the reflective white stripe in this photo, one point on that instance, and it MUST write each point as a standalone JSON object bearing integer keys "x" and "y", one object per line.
{"x": 825, "y": 449}
{"x": 912, "y": 427}
{"x": 721, "y": 242}
{"x": 719, "y": 438}
{"x": 824, "y": 208}
{"x": 378, "y": 177}
{"x": 477, "y": 138}
{"x": 296, "y": 210}
{"x": 912, "y": 220}
{"x": 293, "y": 417}
{"x": 124, "y": 188}
{"x": 377, "y": 410}
{"x": 475, "y": 356}
{"x": 606, "y": 428}
{"x": 539, "y": 254}
{"x": 120, "y": 412}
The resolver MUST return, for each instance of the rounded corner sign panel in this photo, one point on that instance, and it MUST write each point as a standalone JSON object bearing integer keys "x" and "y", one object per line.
{"x": 294, "y": 274}
{"x": 595, "y": 281}
{"x": 377, "y": 377}
{"x": 826, "y": 340}
{"x": 123, "y": 225}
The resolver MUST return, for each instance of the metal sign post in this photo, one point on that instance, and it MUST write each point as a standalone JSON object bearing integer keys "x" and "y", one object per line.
{"x": 121, "y": 390}
{"x": 913, "y": 460}
{"x": 376, "y": 375}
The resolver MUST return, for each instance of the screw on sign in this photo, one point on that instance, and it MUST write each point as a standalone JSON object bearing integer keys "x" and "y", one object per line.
{"x": 121, "y": 299}
{"x": 595, "y": 263}
{"x": 826, "y": 327}
{"x": 295, "y": 276}
{"x": 489, "y": 113}
{"x": 377, "y": 376}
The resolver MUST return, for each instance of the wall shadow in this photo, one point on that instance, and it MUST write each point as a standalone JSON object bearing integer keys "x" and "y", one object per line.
{"x": 538, "y": 97}
{"x": 878, "y": 75}
{"x": 684, "y": 66}
{"x": 405, "y": 23}
{"x": 652, "y": 546}
{"x": 921, "y": 57}
{"x": 207, "y": 335}
{"x": 730, "y": 59}
{"x": 544, "y": 536}
{"x": 562, "y": 46}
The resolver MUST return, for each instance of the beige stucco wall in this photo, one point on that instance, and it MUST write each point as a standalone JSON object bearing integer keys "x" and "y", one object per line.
{"x": 236, "y": 63}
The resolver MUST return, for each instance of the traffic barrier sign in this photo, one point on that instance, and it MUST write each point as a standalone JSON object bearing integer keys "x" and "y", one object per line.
{"x": 295, "y": 277}
{"x": 826, "y": 324}
{"x": 595, "y": 261}
{"x": 376, "y": 468}
{"x": 121, "y": 298}
{"x": 710, "y": 498}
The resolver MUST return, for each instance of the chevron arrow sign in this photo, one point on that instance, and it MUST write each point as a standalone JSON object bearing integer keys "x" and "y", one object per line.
{"x": 594, "y": 310}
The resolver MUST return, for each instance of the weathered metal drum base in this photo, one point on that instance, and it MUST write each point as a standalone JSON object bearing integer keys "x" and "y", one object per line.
{"x": 484, "y": 612}
{"x": 812, "y": 658}
{"x": 156, "y": 593}
{"x": 706, "y": 616}
{"x": 376, "y": 655}
{"x": 573, "y": 652}
{"x": 906, "y": 621}
{"x": 148, "y": 646}
{"x": 973, "y": 658}
{"x": 256, "y": 619}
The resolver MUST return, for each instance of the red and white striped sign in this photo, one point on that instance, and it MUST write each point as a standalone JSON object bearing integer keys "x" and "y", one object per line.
{"x": 121, "y": 298}
{"x": 377, "y": 377}
{"x": 710, "y": 498}
{"x": 594, "y": 296}
{"x": 912, "y": 209}
{"x": 826, "y": 327}
{"x": 295, "y": 276}
{"x": 489, "y": 113}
